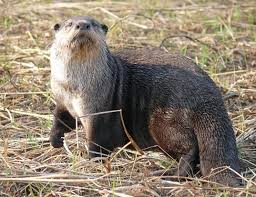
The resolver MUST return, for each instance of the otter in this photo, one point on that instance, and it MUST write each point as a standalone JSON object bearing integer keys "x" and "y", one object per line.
{"x": 166, "y": 100}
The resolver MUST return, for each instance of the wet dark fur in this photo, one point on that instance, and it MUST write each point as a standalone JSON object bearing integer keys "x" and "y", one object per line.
{"x": 166, "y": 100}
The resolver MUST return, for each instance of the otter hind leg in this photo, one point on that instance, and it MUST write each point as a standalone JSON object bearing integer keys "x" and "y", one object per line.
{"x": 170, "y": 131}
{"x": 187, "y": 163}
{"x": 63, "y": 122}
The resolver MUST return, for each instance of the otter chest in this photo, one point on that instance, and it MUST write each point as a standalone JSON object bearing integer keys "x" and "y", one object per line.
{"x": 69, "y": 99}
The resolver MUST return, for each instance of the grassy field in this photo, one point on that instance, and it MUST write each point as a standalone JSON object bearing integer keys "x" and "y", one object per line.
{"x": 219, "y": 35}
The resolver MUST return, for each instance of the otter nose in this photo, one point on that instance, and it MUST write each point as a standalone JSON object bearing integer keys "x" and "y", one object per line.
{"x": 83, "y": 26}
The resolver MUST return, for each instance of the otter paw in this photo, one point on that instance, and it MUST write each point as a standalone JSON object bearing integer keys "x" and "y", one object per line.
{"x": 56, "y": 141}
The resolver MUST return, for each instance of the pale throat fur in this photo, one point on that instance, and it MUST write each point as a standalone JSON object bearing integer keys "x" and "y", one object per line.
{"x": 72, "y": 86}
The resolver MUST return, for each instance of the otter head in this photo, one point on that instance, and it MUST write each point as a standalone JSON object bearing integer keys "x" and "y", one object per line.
{"x": 82, "y": 37}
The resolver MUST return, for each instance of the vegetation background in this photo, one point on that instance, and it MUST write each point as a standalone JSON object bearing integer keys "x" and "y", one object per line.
{"x": 219, "y": 35}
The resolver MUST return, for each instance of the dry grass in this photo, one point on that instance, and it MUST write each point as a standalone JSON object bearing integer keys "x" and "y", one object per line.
{"x": 220, "y": 36}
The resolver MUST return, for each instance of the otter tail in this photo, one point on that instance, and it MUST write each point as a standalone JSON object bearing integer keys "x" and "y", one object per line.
{"x": 217, "y": 145}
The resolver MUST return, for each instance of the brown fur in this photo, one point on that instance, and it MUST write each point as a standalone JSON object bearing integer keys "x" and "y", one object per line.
{"x": 167, "y": 100}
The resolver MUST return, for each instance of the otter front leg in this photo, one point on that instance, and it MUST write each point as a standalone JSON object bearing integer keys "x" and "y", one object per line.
{"x": 63, "y": 122}
{"x": 104, "y": 133}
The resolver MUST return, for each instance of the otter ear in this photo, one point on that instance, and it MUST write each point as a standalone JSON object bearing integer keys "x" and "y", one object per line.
{"x": 56, "y": 27}
{"x": 104, "y": 28}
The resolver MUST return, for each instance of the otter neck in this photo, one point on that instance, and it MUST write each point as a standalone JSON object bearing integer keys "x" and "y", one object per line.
{"x": 88, "y": 78}
{"x": 74, "y": 67}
